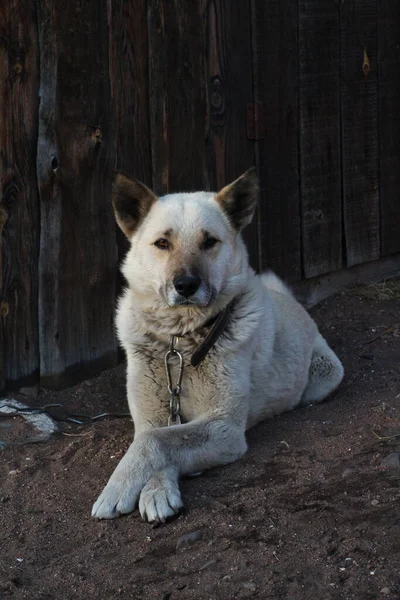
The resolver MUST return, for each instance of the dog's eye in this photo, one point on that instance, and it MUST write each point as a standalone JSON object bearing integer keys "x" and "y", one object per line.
{"x": 209, "y": 243}
{"x": 162, "y": 244}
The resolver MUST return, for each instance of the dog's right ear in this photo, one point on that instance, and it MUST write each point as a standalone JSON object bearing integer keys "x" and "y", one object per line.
{"x": 131, "y": 200}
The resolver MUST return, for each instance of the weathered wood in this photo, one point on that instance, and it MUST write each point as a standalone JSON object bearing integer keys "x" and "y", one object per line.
{"x": 311, "y": 291}
{"x": 129, "y": 77}
{"x": 230, "y": 88}
{"x": 276, "y": 87}
{"x": 177, "y": 95}
{"x": 75, "y": 159}
{"x": 320, "y": 172}
{"x": 389, "y": 122}
{"x": 359, "y": 129}
{"x": 19, "y": 208}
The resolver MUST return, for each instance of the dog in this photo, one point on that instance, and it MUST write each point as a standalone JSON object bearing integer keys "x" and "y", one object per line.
{"x": 247, "y": 349}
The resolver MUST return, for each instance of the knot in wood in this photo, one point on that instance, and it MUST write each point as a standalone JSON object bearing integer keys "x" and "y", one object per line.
{"x": 18, "y": 67}
{"x": 98, "y": 135}
{"x": 4, "y": 309}
{"x": 217, "y": 97}
{"x": 366, "y": 64}
{"x": 3, "y": 215}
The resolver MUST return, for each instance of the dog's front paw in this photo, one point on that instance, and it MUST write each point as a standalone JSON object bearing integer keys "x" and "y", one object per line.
{"x": 117, "y": 498}
{"x": 160, "y": 498}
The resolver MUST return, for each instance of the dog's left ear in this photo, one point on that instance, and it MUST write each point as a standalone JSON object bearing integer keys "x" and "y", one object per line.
{"x": 239, "y": 199}
{"x": 132, "y": 201}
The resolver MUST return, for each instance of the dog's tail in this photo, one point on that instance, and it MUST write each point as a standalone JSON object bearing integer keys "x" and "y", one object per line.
{"x": 272, "y": 282}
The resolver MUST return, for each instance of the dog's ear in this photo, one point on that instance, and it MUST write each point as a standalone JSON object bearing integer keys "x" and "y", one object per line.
{"x": 239, "y": 199}
{"x": 132, "y": 201}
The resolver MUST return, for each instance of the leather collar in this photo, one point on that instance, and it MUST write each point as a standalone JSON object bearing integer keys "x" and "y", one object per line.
{"x": 218, "y": 326}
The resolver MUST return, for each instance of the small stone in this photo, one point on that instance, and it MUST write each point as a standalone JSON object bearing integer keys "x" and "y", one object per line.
{"x": 14, "y": 472}
{"x": 392, "y": 460}
{"x": 188, "y": 538}
{"x": 347, "y": 472}
{"x": 375, "y": 502}
{"x": 30, "y": 392}
{"x": 385, "y": 591}
{"x": 208, "y": 564}
{"x": 250, "y": 585}
{"x": 367, "y": 356}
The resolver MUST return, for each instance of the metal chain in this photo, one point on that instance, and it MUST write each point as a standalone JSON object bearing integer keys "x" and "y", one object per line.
{"x": 174, "y": 391}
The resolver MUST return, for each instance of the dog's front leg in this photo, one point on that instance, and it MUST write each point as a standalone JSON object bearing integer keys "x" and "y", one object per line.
{"x": 168, "y": 451}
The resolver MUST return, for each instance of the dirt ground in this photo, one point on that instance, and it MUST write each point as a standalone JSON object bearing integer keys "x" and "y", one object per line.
{"x": 311, "y": 512}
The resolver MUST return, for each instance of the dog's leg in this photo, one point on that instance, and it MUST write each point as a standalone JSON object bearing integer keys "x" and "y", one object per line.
{"x": 325, "y": 373}
{"x": 160, "y": 498}
{"x": 158, "y": 456}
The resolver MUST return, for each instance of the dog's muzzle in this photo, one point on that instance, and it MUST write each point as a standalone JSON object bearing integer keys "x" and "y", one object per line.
{"x": 187, "y": 285}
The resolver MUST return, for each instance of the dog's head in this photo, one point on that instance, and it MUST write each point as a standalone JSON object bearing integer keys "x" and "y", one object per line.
{"x": 186, "y": 249}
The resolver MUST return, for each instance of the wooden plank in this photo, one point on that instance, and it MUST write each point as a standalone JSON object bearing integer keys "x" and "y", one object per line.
{"x": 129, "y": 78}
{"x": 359, "y": 129}
{"x": 275, "y": 46}
{"x": 129, "y": 73}
{"x": 230, "y": 88}
{"x": 19, "y": 206}
{"x": 75, "y": 159}
{"x": 177, "y": 95}
{"x": 389, "y": 122}
{"x": 311, "y": 291}
{"x": 320, "y": 172}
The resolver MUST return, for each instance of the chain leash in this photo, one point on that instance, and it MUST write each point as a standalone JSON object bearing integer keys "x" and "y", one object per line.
{"x": 174, "y": 391}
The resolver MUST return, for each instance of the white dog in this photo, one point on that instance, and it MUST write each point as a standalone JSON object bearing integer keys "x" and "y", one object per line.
{"x": 248, "y": 350}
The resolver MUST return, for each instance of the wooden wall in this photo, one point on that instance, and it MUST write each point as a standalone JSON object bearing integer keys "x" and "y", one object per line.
{"x": 184, "y": 95}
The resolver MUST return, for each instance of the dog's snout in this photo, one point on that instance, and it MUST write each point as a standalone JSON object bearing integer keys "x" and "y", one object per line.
{"x": 187, "y": 285}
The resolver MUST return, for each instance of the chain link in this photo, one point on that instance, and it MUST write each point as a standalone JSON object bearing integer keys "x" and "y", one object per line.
{"x": 174, "y": 391}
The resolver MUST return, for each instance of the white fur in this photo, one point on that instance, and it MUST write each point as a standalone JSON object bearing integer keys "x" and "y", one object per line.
{"x": 270, "y": 359}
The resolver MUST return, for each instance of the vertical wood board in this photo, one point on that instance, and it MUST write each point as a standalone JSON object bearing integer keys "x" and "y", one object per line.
{"x": 389, "y": 123}
{"x": 230, "y": 88}
{"x": 19, "y": 209}
{"x": 177, "y": 95}
{"x": 129, "y": 79}
{"x": 75, "y": 158}
{"x": 359, "y": 130}
{"x": 276, "y": 72}
{"x": 320, "y": 164}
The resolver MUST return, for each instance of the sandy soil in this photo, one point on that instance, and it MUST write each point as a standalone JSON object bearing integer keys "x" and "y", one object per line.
{"x": 311, "y": 512}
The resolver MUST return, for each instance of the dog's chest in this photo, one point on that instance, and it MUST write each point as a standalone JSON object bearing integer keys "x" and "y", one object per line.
{"x": 195, "y": 383}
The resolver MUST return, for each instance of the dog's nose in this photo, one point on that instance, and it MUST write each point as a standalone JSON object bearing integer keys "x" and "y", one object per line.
{"x": 187, "y": 285}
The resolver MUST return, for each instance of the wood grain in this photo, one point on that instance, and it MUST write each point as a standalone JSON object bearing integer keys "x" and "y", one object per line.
{"x": 276, "y": 87}
{"x": 129, "y": 78}
{"x": 230, "y": 88}
{"x": 177, "y": 95}
{"x": 19, "y": 207}
{"x": 320, "y": 164}
{"x": 389, "y": 123}
{"x": 75, "y": 158}
{"x": 359, "y": 129}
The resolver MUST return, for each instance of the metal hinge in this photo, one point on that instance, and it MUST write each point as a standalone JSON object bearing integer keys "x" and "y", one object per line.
{"x": 255, "y": 121}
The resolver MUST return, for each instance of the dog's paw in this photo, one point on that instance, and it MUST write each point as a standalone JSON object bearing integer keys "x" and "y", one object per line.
{"x": 160, "y": 499}
{"x": 117, "y": 498}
